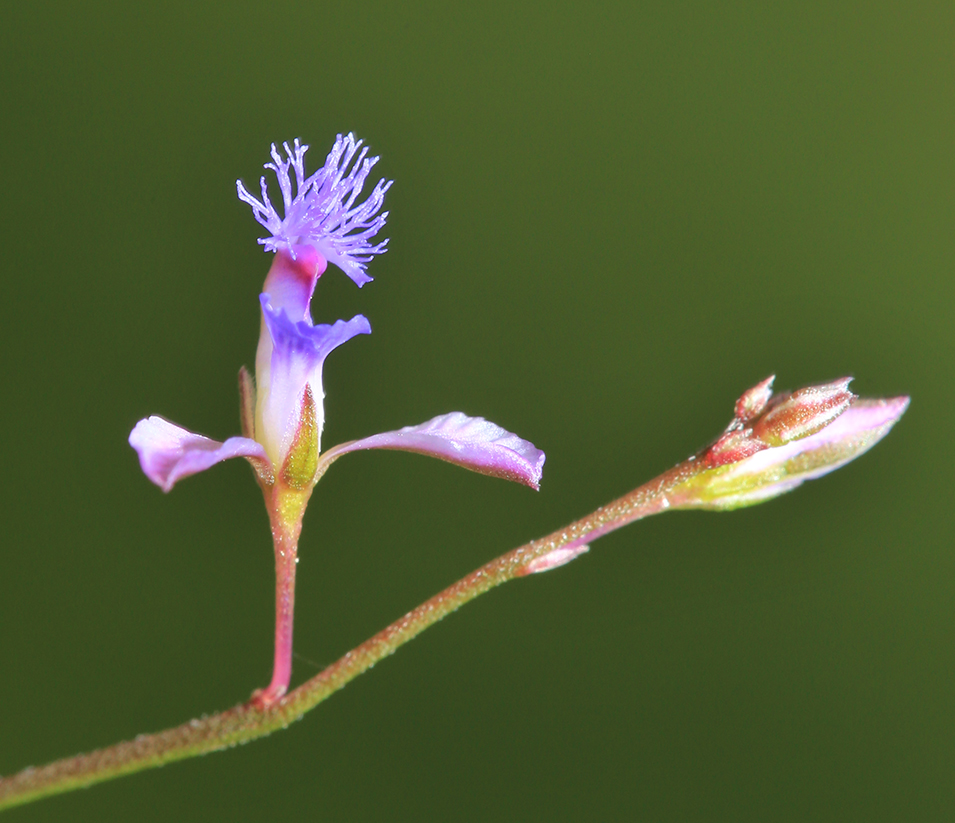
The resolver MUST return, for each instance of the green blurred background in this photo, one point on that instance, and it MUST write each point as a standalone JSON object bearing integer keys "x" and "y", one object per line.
{"x": 608, "y": 220}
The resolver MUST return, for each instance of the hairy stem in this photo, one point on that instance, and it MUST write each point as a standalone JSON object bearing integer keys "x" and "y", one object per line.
{"x": 286, "y": 559}
{"x": 285, "y": 508}
{"x": 260, "y": 717}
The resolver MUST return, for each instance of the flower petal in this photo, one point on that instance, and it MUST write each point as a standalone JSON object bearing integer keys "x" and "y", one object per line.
{"x": 290, "y": 357}
{"x": 167, "y": 452}
{"x": 302, "y": 339}
{"x": 471, "y": 442}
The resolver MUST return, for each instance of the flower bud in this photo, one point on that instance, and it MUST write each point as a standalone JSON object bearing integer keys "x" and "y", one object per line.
{"x": 774, "y": 444}
{"x": 802, "y": 413}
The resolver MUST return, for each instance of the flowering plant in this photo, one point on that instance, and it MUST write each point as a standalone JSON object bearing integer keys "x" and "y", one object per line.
{"x": 772, "y": 445}
{"x": 281, "y": 410}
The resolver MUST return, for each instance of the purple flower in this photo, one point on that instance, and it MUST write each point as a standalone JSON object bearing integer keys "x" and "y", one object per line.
{"x": 288, "y": 364}
{"x": 322, "y": 213}
{"x": 282, "y": 410}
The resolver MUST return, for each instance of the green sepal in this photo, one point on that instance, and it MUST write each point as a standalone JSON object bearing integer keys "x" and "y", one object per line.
{"x": 301, "y": 463}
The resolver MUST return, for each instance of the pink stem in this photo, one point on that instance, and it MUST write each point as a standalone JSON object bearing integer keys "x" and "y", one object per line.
{"x": 285, "y": 538}
{"x": 285, "y": 561}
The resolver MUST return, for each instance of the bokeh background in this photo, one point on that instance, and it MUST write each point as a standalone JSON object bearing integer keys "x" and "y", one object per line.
{"x": 608, "y": 220}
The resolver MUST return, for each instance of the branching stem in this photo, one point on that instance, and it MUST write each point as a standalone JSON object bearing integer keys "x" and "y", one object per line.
{"x": 259, "y": 717}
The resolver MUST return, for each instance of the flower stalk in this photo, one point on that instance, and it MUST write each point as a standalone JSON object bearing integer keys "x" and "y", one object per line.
{"x": 285, "y": 534}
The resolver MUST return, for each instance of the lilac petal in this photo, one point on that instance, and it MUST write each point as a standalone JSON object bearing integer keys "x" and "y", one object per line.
{"x": 302, "y": 339}
{"x": 471, "y": 442}
{"x": 167, "y": 453}
{"x": 291, "y": 357}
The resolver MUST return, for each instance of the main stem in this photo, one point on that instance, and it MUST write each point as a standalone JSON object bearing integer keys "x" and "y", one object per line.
{"x": 257, "y": 718}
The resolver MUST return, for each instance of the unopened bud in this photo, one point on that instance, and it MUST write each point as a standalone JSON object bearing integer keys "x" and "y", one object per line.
{"x": 802, "y": 413}
{"x": 774, "y": 444}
